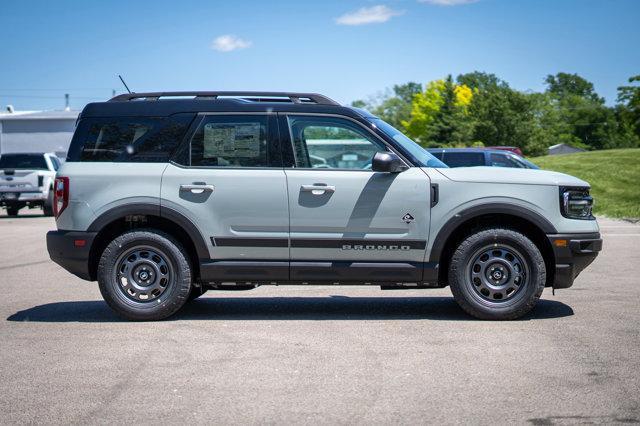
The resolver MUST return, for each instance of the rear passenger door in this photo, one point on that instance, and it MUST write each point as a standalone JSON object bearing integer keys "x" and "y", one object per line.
{"x": 229, "y": 181}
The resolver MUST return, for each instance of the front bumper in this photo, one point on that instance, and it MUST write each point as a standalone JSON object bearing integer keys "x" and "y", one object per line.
{"x": 573, "y": 253}
{"x": 71, "y": 250}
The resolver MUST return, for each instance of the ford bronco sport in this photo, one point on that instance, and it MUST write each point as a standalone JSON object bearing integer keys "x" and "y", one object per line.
{"x": 167, "y": 195}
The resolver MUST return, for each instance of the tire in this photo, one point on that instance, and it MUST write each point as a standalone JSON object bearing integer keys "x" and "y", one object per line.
{"x": 47, "y": 207}
{"x": 139, "y": 255}
{"x": 195, "y": 293}
{"x": 497, "y": 274}
{"x": 12, "y": 211}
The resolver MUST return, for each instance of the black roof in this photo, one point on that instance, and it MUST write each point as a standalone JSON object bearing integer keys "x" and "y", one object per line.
{"x": 159, "y": 104}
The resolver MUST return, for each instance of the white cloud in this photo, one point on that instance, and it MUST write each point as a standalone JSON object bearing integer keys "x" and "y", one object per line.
{"x": 447, "y": 2}
{"x": 229, "y": 42}
{"x": 368, "y": 15}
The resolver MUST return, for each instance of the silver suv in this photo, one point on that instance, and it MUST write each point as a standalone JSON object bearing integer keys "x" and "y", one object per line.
{"x": 167, "y": 195}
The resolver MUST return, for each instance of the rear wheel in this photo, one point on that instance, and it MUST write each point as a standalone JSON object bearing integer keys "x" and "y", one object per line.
{"x": 497, "y": 274}
{"x": 144, "y": 275}
{"x": 13, "y": 211}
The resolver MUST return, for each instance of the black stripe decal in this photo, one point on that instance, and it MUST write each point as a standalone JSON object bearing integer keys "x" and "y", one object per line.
{"x": 249, "y": 242}
{"x": 360, "y": 243}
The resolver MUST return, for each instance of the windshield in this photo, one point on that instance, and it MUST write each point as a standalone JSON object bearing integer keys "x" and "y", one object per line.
{"x": 419, "y": 153}
{"x": 23, "y": 161}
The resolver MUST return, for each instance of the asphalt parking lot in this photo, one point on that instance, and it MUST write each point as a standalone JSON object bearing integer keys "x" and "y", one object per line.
{"x": 316, "y": 354}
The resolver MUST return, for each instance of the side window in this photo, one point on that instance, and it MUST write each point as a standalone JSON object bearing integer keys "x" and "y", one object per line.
{"x": 128, "y": 139}
{"x": 464, "y": 159}
{"x": 503, "y": 160}
{"x": 231, "y": 141}
{"x": 331, "y": 143}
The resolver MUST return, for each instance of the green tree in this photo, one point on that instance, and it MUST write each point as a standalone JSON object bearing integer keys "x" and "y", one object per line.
{"x": 502, "y": 116}
{"x": 481, "y": 81}
{"x": 451, "y": 125}
{"x": 629, "y": 109}
{"x": 439, "y": 115}
{"x": 584, "y": 112}
{"x": 564, "y": 85}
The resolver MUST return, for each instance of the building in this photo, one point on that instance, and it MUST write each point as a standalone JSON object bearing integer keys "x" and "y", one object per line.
{"x": 563, "y": 148}
{"x": 37, "y": 131}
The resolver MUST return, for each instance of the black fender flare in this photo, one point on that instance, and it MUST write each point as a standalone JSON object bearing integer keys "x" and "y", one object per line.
{"x": 154, "y": 210}
{"x": 481, "y": 210}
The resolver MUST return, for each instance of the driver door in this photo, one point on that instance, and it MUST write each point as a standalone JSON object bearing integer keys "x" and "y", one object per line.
{"x": 348, "y": 223}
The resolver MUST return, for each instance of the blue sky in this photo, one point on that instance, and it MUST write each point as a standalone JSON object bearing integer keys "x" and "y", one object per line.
{"x": 345, "y": 49}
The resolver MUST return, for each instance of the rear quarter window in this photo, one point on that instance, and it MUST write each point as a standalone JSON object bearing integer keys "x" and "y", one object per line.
{"x": 128, "y": 139}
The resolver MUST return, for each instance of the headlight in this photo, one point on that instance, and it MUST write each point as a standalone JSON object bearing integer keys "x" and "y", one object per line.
{"x": 576, "y": 203}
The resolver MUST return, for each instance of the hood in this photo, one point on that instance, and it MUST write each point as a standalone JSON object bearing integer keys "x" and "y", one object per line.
{"x": 509, "y": 175}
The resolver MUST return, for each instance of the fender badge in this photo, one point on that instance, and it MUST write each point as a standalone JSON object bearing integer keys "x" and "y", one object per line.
{"x": 407, "y": 218}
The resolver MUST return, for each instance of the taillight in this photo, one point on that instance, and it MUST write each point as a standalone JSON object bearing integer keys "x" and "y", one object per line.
{"x": 60, "y": 195}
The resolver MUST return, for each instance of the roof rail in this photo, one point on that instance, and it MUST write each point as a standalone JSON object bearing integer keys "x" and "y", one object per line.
{"x": 296, "y": 98}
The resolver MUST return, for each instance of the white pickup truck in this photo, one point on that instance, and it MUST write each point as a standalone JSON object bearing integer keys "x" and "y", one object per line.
{"x": 26, "y": 180}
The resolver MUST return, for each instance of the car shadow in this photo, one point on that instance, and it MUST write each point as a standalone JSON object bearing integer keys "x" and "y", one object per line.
{"x": 341, "y": 308}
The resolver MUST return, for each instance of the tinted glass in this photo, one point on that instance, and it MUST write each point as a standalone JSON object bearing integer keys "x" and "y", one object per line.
{"x": 505, "y": 160}
{"x": 128, "y": 139}
{"x": 332, "y": 143}
{"x": 439, "y": 155}
{"x": 464, "y": 159}
{"x": 231, "y": 141}
{"x": 23, "y": 161}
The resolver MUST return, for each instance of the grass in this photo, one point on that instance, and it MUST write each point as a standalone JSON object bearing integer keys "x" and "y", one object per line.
{"x": 614, "y": 176}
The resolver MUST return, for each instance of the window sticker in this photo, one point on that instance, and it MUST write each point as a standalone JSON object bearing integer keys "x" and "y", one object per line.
{"x": 232, "y": 140}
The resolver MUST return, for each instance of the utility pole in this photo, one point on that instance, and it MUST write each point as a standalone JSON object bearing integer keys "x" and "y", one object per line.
{"x": 66, "y": 102}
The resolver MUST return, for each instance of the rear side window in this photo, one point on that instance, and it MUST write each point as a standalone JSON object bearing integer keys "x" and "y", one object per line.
{"x": 23, "y": 161}
{"x": 128, "y": 139}
{"x": 231, "y": 141}
{"x": 464, "y": 159}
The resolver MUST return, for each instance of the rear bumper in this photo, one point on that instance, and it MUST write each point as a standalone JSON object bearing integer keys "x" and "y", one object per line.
{"x": 67, "y": 250}
{"x": 573, "y": 253}
{"x": 13, "y": 197}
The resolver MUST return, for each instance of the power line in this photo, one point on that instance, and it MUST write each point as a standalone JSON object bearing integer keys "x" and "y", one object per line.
{"x": 51, "y": 97}
{"x": 13, "y": 89}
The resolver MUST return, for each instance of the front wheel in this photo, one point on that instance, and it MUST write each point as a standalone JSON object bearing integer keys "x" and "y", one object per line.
{"x": 12, "y": 211}
{"x": 144, "y": 275}
{"x": 497, "y": 274}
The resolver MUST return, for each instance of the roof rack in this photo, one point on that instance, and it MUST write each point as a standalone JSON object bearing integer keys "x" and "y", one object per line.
{"x": 296, "y": 98}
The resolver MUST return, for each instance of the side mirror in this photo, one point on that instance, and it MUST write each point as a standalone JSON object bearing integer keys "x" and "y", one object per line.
{"x": 387, "y": 162}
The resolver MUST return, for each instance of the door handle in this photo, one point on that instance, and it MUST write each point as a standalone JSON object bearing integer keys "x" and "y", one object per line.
{"x": 318, "y": 188}
{"x": 197, "y": 188}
